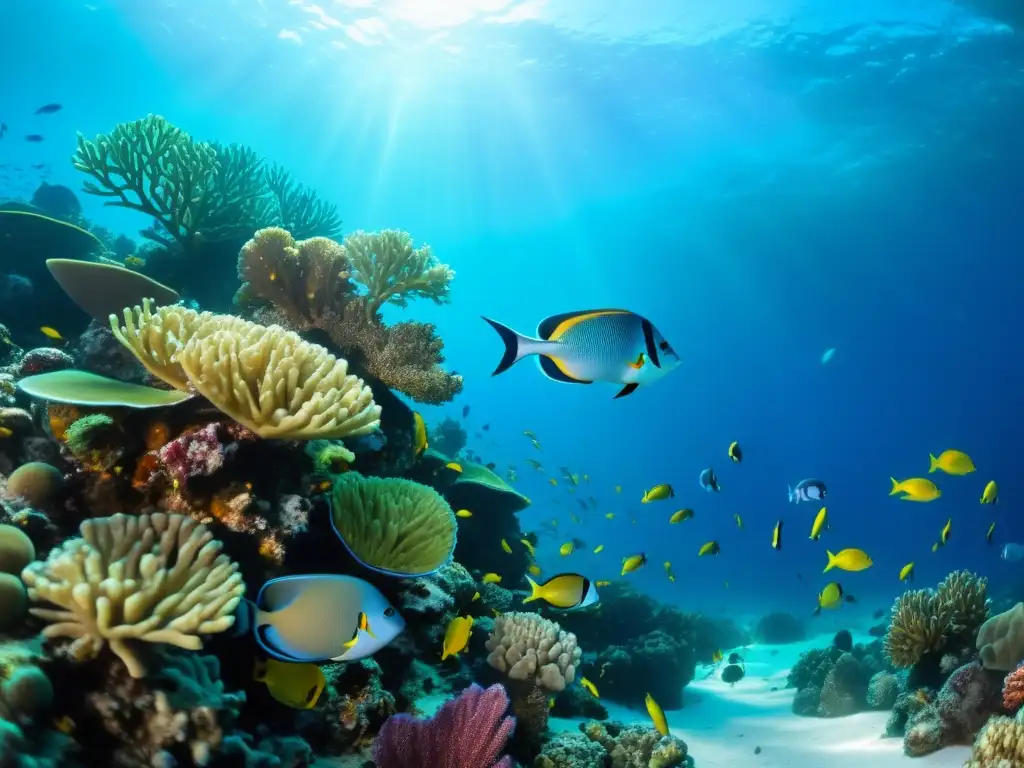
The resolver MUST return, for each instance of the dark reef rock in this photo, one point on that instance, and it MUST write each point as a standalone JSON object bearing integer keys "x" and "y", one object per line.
{"x": 831, "y": 682}
{"x": 779, "y": 628}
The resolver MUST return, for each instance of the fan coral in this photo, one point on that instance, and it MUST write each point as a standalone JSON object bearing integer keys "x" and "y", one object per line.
{"x": 153, "y": 578}
{"x": 467, "y": 732}
{"x": 393, "y": 525}
{"x": 1000, "y": 640}
{"x": 1013, "y": 689}
{"x": 999, "y": 745}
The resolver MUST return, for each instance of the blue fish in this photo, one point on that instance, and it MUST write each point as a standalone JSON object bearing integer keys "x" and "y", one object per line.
{"x": 807, "y": 490}
{"x": 611, "y": 345}
{"x": 708, "y": 481}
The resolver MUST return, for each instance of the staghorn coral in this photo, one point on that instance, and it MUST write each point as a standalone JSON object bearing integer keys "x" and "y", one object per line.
{"x": 467, "y": 732}
{"x": 920, "y": 620}
{"x": 153, "y": 578}
{"x": 1000, "y": 640}
{"x": 1000, "y": 744}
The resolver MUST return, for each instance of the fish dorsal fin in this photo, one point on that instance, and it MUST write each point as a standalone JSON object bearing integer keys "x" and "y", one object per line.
{"x": 554, "y": 327}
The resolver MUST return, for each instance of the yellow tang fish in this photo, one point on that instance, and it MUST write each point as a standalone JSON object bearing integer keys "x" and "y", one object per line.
{"x": 456, "y": 637}
{"x": 419, "y": 434}
{"x": 738, "y": 519}
{"x": 296, "y": 685}
{"x": 476, "y": 596}
{"x": 915, "y": 489}
{"x": 491, "y": 578}
{"x": 848, "y": 560}
{"x": 991, "y": 493}
{"x": 590, "y": 687}
{"x": 657, "y": 715}
{"x": 735, "y": 452}
{"x": 991, "y": 530}
{"x": 506, "y": 547}
{"x": 831, "y": 597}
{"x": 633, "y": 563}
{"x": 599, "y": 549}
{"x": 463, "y": 513}
{"x": 610, "y": 515}
{"x": 454, "y": 466}
{"x": 777, "y": 536}
{"x": 534, "y": 569}
{"x": 529, "y": 547}
{"x": 820, "y": 521}
{"x": 659, "y": 492}
{"x": 681, "y": 515}
{"x": 952, "y": 463}
{"x": 709, "y": 548}
{"x": 601, "y": 583}
{"x": 907, "y": 572}
{"x": 51, "y": 333}
{"x": 565, "y": 591}
{"x": 575, "y": 519}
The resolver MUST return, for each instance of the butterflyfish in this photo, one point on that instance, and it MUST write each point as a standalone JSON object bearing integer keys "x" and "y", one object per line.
{"x": 505, "y": 546}
{"x": 907, "y": 572}
{"x": 456, "y": 637}
{"x": 709, "y": 548}
{"x": 633, "y": 563}
{"x": 454, "y": 466}
{"x": 419, "y": 434}
{"x": 659, "y": 492}
{"x": 592, "y": 345}
{"x": 735, "y": 452}
{"x": 295, "y": 685}
{"x": 681, "y": 515}
{"x": 848, "y": 560}
{"x": 951, "y": 462}
{"x": 820, "y": 521}
{"x": 830, "y": 597}
{"x": 565, "y": 591}
{"x": 657, "y": 715}
{"x": 991, "y": 493}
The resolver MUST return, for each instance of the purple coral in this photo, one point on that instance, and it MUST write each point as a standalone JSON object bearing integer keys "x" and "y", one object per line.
{"x": 467, "y": 732}
{"x": 44, "y": 360}
{"x": 196, "y": 453}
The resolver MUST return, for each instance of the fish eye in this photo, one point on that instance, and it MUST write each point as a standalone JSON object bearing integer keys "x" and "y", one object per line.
{"x": 663, "y": 345}
{"x": 389, "y": 612}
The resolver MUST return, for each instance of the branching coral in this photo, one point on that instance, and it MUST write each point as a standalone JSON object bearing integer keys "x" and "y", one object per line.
{"x": 300, "y": 210}
{"x": 152, "y": 578}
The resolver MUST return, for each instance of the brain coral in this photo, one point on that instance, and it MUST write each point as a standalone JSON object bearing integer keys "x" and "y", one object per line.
{"x": 525, "y": 646}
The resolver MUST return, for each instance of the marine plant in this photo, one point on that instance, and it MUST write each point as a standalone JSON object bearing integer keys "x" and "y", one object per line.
{"x": 152, "y": 578}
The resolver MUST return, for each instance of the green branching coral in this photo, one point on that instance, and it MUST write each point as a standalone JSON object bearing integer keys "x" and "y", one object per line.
{"x": 300, "y": 210}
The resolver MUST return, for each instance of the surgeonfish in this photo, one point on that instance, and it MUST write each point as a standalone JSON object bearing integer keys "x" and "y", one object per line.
{"x": 419, "y": 434}
{"x": 810, "y": 489}
{"x": 735, "y": 452}
{"x": 820, "y": 521}
{"x": 491, "y": 578}
{"x": 296, "y": 685}
{"x": 659, "y": 492}
{"x": 681, "y": 515}
{"x": 777, "y": 536}
{"x": 991, "y": 493}
{"x": 830, "y": 597}
{"x": 907, "y": 572}
{"x": 951, "y": 462}
{"x": 848, "y": 560}
{"x": 565, "y": 591}
{"x": 915, "y": 489}
{"x": 505, "y": 546}
{"x": 633, "y": 563}
{"x": 609, "y": 345}
{"x": 657, "y": 715}
{"x": 456, "y": 637}
{"x": 319, "y": 617}
{"x": 1012, "y": 553}
{"x": 991, "y": 531}
{"x": 590, "y": 687}
{"x": 709, "y": 548}
{"x": 708, "y": 481}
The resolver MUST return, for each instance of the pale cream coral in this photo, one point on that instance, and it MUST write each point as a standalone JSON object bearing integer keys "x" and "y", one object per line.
{"x": 999, "y": 745}
{"x": 155, "y": 336}
{"x": 152, "y": 578}
{"x": 525, "y": 646}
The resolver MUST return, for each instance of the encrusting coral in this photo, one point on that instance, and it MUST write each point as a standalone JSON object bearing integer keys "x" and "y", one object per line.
{"x": 152, "y": 578}
{"x": 1000, "y": 744}
{"x": 1000, "y": 640}
{"x": 636, "y": 746}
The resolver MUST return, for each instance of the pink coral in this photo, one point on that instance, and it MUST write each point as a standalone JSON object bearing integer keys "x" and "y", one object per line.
{"x": 467, "y": 732}
{"x": 194, "y": 454}
{"x": 44, "y": 360}
{"x": 1013, "y": 689}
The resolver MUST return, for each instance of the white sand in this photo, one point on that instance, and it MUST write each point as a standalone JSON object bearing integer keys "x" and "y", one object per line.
{"x": 722, "y": 724}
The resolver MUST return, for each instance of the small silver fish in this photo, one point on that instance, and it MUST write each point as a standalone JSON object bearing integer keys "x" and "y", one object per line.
{"x": 807, "y": 490}
{"x": 611, "y": 345}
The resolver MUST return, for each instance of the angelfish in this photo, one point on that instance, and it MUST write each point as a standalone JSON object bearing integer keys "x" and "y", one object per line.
{"x": 610, "y": 345}
{"x": 808, "y": 490}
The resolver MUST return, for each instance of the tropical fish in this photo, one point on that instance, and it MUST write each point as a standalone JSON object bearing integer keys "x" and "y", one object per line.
{"x": 657, "y": 715}
{"x": 738, "y": 519}
{"x": 529, "y": 434}
{"x": 48, "y": 109}
{"x": 735, "y": 452}
{"x": 907, "y": 572}
{"x": 505, "y": 546}
{"x": 553, "y": 481}
{"x": 943, "y": 535}
{"x": 717, "y": 656}
{"x": 592, "y": 345}
{"x": 658, "y": 493}
{"x": 668, "y": 571}
{"x": 35, "y": 138}
{"x": 991, "y": 530}
{"x": 456, "y": 637}
{"x": 137, "y": 262}
{"x": 536, "y": 444}
{"x": 476, "y": 596}
{"x": 633, "y": 563}
{"x": 708, "y": 481}
{"x": 463, "y": 513}
{"x": 991, "y": 493}
{"x": 486, "y": 427}
{"x": 807, "y": 490}
{"x": 590, "y": 687}
{"x": 565, "y": 591}
{"x": 319, "y": 617}
{"x": 830, "y": 597}
{"x": 1012, "y": 553}
{"x": 491, "y": 578}
{"x": 610, "y": 516}
{"x": 512, "y": 476}
{"x": 733, "y": 673}
{"x": 951, "y": 462}
{"x": 848, "y": 560}
{"x": 709, "y": 548}
{"x": 454, "y": 466}
{"x": 566, "y": 549}
{"x": 6, "y": 432}
{"x": 820, "y": 521}
{"x": 465, "y": 411}
{"x": 681, "y": 515}
{"x": 915, "y": 489}
{"x": 529, "y": 547}
{"x": 602, "y": 583}
{"x": 618, "y": 489}
{"x": 296, "y": 685}
{"x": 51, "y": 333}
{"x": 599, "y": 549}
{"x": 533, "y": 569}
{"x": 777, "y": 536}
{"x": 419, "y": 434}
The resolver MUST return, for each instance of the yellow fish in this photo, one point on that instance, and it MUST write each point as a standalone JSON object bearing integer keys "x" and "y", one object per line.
{"x": 491, "y": 578}
{"x": 820, "y": 521}
{"x": 533, "y": 569}
{"x": 601, "y": 583}
{"x": 907, "y": 572}
{"x": 454, "y": 466}
{"x": 777, "y": 536}
{"x": 476, "y": 596}
{"x": 506, "y": 547}
{"x": 51, "y": 333}
{"x": 529, "y": 547}
{"x": 735, "y": 452}
{"x": 633, "y": 563}
{"x": 566, "y": 549}
{"x": 717, "y": 656}
{"x": 463, "y": 513}
{"x": 830, "y": 597}
{"x": 553, "y": 481}
{"x": 565, "y": 591}
{"x": 618, "y": 489}
{"x": 296, "y": 685}
{"x": 848, "y": 560}
{"x": 991, "y": 493}
{"x": 657, "y": 715}
{"x": 952, "y": 463}
{"x": 590, "y": 687}
{"x": 738, "y": 519}
{"x": 991, "y": 530}
{"x": 456, "y": 637}
{"x": 915, "y": 489}
{"x": 551, "y": 703}
{"x": 681, "y": 515}
{"x": 659, "y": 492}
{"x": 709, "y": 548}
{"x": 610, "y": 516}
{"x": 599, "y": 549}
{"x": 419, "y": 434}
{"x": 6, "y": 432}
{"x": 135, "y": 262}
{"x": 943, "y": 535}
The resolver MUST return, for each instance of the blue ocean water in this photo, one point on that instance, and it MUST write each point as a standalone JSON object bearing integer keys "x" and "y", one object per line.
{"x": 763, "y": 180}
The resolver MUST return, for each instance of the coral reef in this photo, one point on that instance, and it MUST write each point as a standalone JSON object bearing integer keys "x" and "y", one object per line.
{"x": 449, "y": 437}
{"x": 833, "y": 683}
{"x": 636, "y": 746}
{"x": 1000, "y": 640}
{"x": 1000, "y": 744}
{"x": 1013, "y": 689}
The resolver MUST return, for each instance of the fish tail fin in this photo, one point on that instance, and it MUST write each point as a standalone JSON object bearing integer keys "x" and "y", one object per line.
{"x": 934, "y": 463}
{"x": 895, "y": 486}
{"x": 535, "y": 591}
{"x": 831, "y": 562}
{"x": 789, "y": 492}
{"x": 515, "y": 350}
